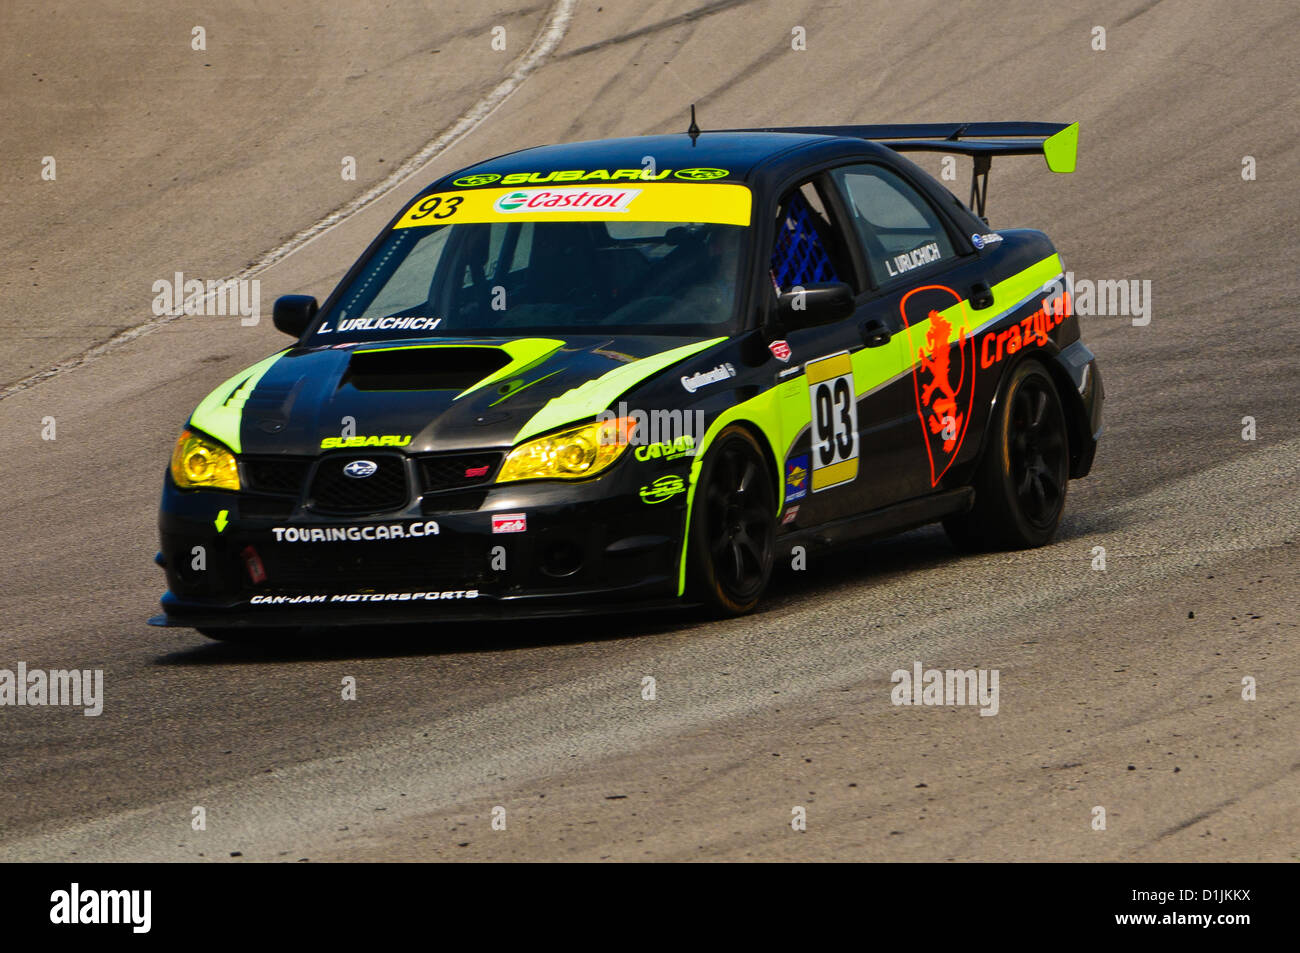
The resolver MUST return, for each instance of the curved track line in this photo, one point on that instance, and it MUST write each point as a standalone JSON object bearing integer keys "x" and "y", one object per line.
{"x": 557, "y": 24}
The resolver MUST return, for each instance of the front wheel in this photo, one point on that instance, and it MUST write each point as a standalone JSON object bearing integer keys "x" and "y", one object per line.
{"x": 733, "y": 525}
{"x": 1021, "y": 480}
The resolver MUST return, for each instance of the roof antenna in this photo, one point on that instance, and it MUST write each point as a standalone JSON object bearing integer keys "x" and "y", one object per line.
{"x": 693, "y": 131}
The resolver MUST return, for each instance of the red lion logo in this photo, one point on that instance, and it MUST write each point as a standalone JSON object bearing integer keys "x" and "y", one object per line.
{"x": 944, "y": 407}
{"x": 944, "y": 416}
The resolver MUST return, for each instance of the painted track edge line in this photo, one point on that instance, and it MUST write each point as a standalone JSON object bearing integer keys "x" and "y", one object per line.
{"x": 539, "y": 50}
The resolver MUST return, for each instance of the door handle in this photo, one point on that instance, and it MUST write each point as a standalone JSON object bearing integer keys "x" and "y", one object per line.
{"x": 875, "y": 333}
{"x": 981, "y": 296}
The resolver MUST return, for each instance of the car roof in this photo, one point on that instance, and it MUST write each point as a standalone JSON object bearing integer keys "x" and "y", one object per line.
{"x": 738, "y": 153}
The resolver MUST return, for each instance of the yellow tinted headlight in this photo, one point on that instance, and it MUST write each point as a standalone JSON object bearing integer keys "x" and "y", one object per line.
{"x": 200, "y": 462}
{"x": 573, "y": 454}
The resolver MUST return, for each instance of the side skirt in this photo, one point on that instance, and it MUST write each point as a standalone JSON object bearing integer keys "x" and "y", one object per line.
{"x": 885, "y": 521}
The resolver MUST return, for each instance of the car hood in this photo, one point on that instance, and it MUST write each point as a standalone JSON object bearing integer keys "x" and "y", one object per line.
{"x": 433, "y": 394}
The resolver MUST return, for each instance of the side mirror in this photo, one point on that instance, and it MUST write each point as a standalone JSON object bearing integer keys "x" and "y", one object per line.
{"x": 292, "y": 314}
{"x": 813, "y": 305}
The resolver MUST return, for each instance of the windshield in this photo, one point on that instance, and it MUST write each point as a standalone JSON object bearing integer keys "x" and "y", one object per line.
{"x": 533, "y": 277}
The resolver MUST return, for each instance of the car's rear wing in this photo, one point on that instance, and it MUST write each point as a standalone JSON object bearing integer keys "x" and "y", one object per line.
{"x": 1057, "y": 142}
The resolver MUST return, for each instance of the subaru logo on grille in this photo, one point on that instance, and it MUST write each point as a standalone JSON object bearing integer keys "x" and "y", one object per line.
{"x": 360, "y": 469}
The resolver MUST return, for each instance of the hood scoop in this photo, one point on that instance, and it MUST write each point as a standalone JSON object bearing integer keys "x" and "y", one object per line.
{"x": 423, "y": 368}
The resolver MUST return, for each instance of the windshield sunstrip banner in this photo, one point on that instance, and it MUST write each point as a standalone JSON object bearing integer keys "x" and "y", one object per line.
{"x": 719, "y": 204}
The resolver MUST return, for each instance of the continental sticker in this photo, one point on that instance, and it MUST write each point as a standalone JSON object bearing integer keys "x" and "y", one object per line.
{"x": 714, "y": 203}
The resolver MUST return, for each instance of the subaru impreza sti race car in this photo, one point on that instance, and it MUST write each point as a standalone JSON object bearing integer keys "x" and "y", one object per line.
{"x": 632, "y": 373}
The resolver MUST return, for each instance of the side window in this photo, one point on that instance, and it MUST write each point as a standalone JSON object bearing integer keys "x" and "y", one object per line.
{"x": 897, "y": 227}
{"x": 808, "y": 246}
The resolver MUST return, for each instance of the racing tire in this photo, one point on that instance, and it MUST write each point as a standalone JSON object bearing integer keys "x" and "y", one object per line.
{"x": 1021, "y": 480}
{"x": 732, "y": 534}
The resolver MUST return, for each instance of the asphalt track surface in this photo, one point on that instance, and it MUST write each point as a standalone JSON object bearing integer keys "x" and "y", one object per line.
{"x": 1119, "y": 689}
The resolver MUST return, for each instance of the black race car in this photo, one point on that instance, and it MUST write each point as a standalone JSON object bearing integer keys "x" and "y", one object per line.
{"x": 634, "y": 372}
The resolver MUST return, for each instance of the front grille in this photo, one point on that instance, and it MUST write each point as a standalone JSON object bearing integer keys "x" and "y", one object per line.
{"x": 266, "y": 507}
{"x": 458, "y": 470}
{"x": 333, "y": 491}
{"x": 439, "y": 562}
{"x": 285, "y": 477}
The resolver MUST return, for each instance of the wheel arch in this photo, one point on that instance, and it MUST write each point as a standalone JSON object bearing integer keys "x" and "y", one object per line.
{"x": 1076, "y": 417}
{"x": 763, "y": 436}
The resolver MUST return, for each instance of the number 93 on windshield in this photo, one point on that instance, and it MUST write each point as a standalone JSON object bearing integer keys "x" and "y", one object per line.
{"x": 437, "y": 206}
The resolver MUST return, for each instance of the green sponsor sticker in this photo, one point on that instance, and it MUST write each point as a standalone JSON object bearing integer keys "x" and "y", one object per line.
{"x": 701, "y": 174}
{"x": 480, "y": 178}
{"x": 664, "y": 488}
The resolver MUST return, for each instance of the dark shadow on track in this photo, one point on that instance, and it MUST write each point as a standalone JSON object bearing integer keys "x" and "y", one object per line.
{"x": 872, "y": 563}
{"x": 428, "y": 640}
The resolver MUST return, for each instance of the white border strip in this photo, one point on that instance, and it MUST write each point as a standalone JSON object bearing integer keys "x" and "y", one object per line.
{"x": 557, "y": 24}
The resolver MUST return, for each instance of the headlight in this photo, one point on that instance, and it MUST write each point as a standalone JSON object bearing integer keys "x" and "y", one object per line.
{"x": 569, "y": 455}
{"x": 200, "y": 462}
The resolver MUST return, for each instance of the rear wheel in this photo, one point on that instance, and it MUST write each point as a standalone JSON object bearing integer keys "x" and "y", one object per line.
{"x": 1021, "y": 480}
{"x": 733, "y": 525}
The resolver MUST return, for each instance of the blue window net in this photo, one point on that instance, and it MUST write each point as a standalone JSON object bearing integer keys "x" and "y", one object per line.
{"x": 799, "y": 257}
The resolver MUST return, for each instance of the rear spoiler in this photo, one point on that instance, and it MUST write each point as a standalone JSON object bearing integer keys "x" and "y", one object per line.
{"x": 1056, "y": 142}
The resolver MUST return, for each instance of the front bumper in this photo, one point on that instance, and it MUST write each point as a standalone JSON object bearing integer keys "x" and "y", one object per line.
{"x": 565, "y": 549}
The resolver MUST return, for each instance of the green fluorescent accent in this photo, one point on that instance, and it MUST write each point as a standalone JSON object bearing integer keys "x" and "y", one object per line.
{"x": 1062, "y": 149}
{"x": 782, "y": 412}
{"x": 524, "y": 353}
{"x": 222, "y": 520}
{"x": 593, "y": 396}
{"x": 220, "y": 412}
{"x": 872, "y": 366}
{"x": 1018, "y": 287}
{"x": 518, "y": 389}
